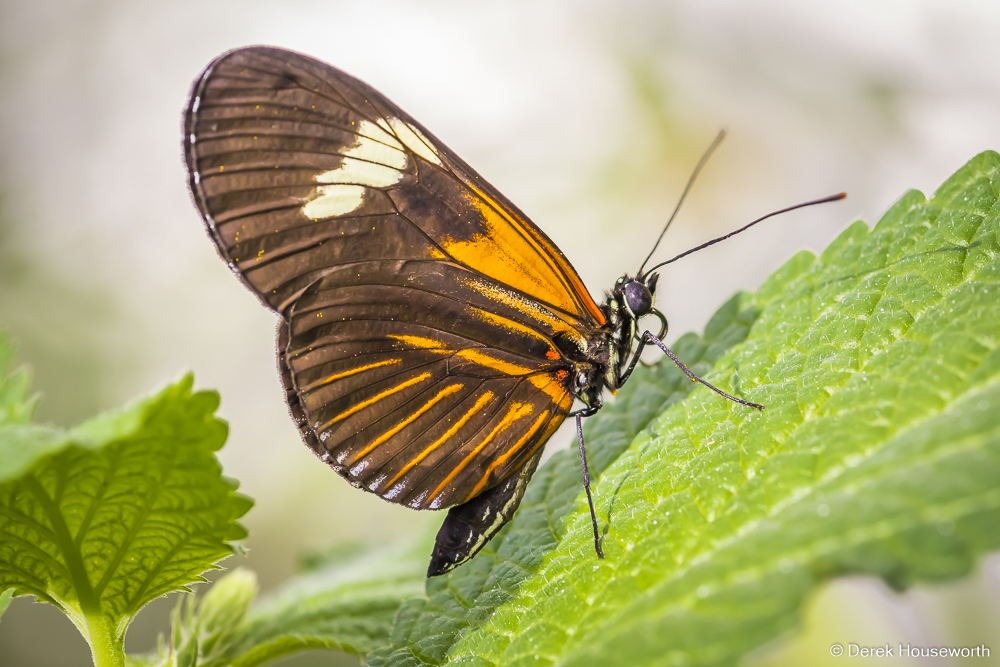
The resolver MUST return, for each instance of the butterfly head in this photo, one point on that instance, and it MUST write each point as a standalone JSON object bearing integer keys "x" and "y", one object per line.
{"x": 637, "y": 294}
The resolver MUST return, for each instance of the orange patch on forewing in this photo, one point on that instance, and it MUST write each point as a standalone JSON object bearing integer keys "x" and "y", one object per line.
{"x": 375, "y": 399}
{"x": 506, "y": 250}
{"x": 447, "y": 391}
{"x": 506, "y": 456}
{"x": 463, "y": 420}
{"x": 351, "y": 371}
{"x": 514, "y": 413}
{"x": 554, "y": 281}
{"x": 551, "y": 354}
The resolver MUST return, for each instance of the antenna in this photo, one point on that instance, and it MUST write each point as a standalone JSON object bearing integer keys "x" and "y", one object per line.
{"x": 824, "y": 200}
{"x": 701, "y": 163}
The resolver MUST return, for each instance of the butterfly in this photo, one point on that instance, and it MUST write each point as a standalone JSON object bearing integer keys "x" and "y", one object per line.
{"x": 431, "y": 338}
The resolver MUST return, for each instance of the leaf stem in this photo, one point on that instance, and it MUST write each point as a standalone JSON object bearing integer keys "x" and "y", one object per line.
{"x": 106, "y": 646}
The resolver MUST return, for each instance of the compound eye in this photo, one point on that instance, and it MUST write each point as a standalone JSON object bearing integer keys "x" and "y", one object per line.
{"x": 639, "y": 298}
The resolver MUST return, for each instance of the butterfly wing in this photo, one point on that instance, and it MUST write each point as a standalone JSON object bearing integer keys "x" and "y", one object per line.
{"x": 426, "y": 322}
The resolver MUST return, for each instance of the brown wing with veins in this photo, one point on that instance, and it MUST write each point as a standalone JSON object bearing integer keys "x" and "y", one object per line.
{"x": 426, "y": 322}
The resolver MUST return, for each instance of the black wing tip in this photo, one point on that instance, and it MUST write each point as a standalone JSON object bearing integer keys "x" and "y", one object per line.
{"x": 444, "y": 561}
{"x": 454, "y": 543}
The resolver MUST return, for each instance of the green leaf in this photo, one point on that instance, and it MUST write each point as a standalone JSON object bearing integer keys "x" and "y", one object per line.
{"x": 348, "y": 606}
{"x": 15, "y": 405}
{"x": 879, "y": 453}
{"x": 125, "y": 508}
{"x": 5, "y": 599}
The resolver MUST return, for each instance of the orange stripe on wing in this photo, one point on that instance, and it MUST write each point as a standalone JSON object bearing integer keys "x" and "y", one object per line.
{"x": 544, "y": 382}
{"x": 505, "y": 367}
{"x": 447, "y": 391}
{"x": 421, "y": 343}
{"x": 375, "y": 399}
{"x": 350, "y": 372}
{"x": 554, "y": 388}
{"x": 529, "y": 308}
{"x": 516, "y": 327}
{"x": 507, "y": 455}
{"x": 463, "y": 420}
{"x": 516, "y": 411}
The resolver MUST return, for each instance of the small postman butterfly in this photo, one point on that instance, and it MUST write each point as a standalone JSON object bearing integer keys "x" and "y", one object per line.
{"x": 431, "y": 337}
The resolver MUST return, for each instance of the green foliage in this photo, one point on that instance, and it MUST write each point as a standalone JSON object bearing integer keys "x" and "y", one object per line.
{"x": 879, "y": 453}
{"x": 105, "y": 517}
{"x": 347, "y": 606}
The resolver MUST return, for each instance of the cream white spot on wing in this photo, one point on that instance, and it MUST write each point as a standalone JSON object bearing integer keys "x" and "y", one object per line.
{"x": 334, "y": 200}
{"x": 414, "y": 140}
{"x": 385, "y": 127}
{"x": 379, "y": 132}
{"x": 373, "y": 161}
{"x": 363, "y": 173}
{"x": 359, "y": 468}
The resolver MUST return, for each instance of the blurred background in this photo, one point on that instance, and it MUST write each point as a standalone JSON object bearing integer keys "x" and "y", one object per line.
{"x": 588, "y": 115}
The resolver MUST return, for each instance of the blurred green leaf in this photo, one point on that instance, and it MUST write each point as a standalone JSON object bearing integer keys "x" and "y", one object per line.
{"x": 127, "y": 507}
{"x": 61, "y": 324}
{"x": 5, "y": 599}
{"x": 348, "y": 607}
{"x": 224, "y": 607}
{"x": 879, "y": 453}
{"x": 15, "y": 405}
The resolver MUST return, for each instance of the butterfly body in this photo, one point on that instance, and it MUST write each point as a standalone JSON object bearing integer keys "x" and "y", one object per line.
{"x": 431, "y": 337}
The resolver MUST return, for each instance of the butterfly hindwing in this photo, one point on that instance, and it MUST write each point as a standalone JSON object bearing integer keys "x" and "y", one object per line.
{"x": 426, "y": 322}
{"x": 406, "y": 393}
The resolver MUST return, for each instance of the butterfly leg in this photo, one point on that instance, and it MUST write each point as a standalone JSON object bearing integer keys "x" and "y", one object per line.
{"x": 694, "y": 378}
{"x": 586, "y": 476}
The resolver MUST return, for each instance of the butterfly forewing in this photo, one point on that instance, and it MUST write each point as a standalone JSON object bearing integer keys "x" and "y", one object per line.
{"x": 425, "y": 320}
{"x": 280, "y": 142}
